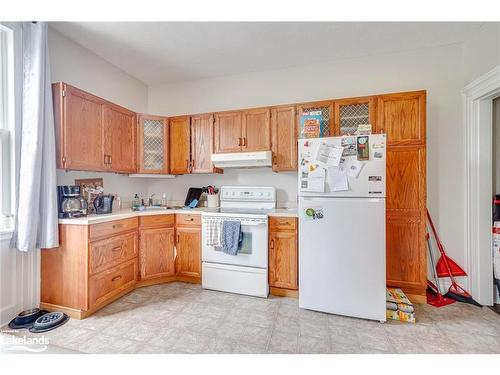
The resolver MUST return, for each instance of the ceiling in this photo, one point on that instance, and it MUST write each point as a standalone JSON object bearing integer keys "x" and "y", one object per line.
{"x": 166, "y": 52}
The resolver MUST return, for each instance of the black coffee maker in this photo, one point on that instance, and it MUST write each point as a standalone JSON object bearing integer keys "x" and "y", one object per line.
{"x": 70, "y": 202}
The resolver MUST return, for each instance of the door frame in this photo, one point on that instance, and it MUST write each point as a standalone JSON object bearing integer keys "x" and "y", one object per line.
{"x": 477, "y": 111}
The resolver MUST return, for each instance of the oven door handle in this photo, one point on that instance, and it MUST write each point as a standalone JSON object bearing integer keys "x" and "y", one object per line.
{"x": 253, "y": 224}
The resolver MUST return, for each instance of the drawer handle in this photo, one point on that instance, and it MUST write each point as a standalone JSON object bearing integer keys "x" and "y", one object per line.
{"x": 116, "y": 278}
{"x": 117, "y": 226}
{"x": 189, "y": 219}
{"x": 116, "y": 248}
{"x": 284, "y": 223}
{"x": 272, "y": 244}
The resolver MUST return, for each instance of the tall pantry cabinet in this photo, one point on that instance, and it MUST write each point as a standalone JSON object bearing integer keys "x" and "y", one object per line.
{"x": 402, "y": 117}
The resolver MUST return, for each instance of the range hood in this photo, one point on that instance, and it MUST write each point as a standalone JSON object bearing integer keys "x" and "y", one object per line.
{"x": 243, "y": 159}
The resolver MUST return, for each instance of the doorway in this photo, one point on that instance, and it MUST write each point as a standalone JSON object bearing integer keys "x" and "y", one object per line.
{"x": 496, "y": 164}
{"x": 478, "y": 119}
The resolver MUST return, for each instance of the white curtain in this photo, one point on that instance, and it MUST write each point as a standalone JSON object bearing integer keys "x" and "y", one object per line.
{"x": 36, "y": 216}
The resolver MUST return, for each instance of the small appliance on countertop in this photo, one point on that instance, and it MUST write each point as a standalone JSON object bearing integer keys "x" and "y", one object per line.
{"x": 70, "y": 202}
{"x": 193, "y": 197}
{"x": 103, "y": 204}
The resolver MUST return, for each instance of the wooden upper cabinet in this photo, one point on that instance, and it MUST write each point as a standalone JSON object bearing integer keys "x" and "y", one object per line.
{"x": 202, "y": 143}
{"x": 119, "y": 139}
{"x": 78, "y": 116}
{"x": 284, "y": 138}
{"x": 152, "y": 144}
{"x": 256, "y": 130}
{"x": 324, "y": 109}
{"x": 352, "y": 112}
{"x": 157, "y": 254}
{"x": 188, "y": 245}
{"x": 179, "y": 145}
{"x": 227, "y": 132}
{"x": 402, "y": 117}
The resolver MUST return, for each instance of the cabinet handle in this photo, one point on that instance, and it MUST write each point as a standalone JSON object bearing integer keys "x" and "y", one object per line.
{"x": 116, "y": 248}
{"x": 110, "y": 159}
{"x": 244, "y": 142}
{"x": 239, "y": 141}
{"x": 272, "y": 244}
{"x": 117, "y": 226}
{"x": 187, "y": 164}
{"x": 274, "y": 160}
{"x": 189, "y": 219}
{"x": 116, "y": 278}
{"x": 177, "y": 238}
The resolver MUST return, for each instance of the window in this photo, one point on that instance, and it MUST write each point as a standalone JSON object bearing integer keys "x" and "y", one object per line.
{"x": 6, "y": 128}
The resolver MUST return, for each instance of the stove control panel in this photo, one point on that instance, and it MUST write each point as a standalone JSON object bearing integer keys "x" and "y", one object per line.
{"x": 248, "y": 193}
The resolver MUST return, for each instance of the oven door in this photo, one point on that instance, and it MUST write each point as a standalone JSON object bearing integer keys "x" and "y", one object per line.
{"x": 252, "y": 251}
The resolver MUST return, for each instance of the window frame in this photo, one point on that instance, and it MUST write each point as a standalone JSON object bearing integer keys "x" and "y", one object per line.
{"x": 7, "y": 128}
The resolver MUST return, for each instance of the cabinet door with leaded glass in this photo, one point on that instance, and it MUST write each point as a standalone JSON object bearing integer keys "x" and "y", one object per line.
{"x": 152, "y": 152}
{"x": 315, "y": 119}
{"x": 353, "y": 112}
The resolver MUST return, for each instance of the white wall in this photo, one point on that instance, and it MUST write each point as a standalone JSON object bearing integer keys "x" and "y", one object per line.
{"x": 496, "y": 146}
{"x": 437, "y": 70}
{"x": 76, "y": 65}
{"x": 481, "y": 52}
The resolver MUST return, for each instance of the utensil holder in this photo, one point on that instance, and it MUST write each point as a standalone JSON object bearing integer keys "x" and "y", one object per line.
{"x": 213, "y": 200}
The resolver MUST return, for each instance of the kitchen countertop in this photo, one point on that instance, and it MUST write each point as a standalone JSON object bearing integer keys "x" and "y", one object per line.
{"x": 127, "y": 213}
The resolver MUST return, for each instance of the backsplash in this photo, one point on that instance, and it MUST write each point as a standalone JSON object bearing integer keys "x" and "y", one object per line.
{"x": 176, "y": 188}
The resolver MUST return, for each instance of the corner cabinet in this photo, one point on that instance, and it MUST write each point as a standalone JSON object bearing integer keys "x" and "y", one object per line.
{"x": 152, "y": 144}
{"x": 180, "y": 138}
{"x": 157, "y": 254}
{"x": 92, "y": 133}
{"x": 403, "y": 118}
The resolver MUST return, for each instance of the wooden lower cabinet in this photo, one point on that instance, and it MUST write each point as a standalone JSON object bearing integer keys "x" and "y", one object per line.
{"x": 188, "y": 252}
{"x": 157, "y": 254}
{"x": 94, "y": 265}
{"x": 283, "y": 256}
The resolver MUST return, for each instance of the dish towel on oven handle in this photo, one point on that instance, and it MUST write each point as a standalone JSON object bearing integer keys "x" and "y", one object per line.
{"x": 214, "y": 233}
{"x": 231, "y": 237}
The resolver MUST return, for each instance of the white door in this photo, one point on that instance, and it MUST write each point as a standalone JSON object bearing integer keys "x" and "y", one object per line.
{"x": 342, "y": 256}
{"x": 253, "y": 250}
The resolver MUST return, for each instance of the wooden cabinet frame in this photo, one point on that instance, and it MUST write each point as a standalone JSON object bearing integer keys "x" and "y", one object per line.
{"x": 370, "y": 100}
{"x": 180, "y": 152}
{"x": 301, "y": 107}
{"x": 140, "y": 144}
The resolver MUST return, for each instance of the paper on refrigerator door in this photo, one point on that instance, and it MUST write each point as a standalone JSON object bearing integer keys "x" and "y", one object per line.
{"x": 337, "y": 179}
{"x": 329, "y": 155}
{"x": 313, "y": 180}
{"x": 353, "y": 168}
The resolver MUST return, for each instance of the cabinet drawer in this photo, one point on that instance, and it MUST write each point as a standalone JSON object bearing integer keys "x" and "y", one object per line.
{"x": 107, "y": 284}
{"x": 283, "y": 223}
{"x": 188, "y": 219}
{"x": 156, "y": 220}
{"x": 111, "y": 228}
{"x": 112, "y": 251}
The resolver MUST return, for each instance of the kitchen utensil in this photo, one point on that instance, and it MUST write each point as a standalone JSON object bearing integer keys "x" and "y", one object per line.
{"x": 103, "y": 204}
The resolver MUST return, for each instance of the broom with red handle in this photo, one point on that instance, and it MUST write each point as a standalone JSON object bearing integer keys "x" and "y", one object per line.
{"x": 451, "y": 269}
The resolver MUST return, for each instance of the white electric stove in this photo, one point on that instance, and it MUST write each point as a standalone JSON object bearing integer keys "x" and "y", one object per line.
{"x": 246, "y": 272}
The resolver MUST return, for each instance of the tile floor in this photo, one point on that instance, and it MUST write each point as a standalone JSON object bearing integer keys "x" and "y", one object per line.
{"x": 183, "y": 318}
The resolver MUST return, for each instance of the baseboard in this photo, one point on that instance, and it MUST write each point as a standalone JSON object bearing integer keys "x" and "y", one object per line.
{"x": 159, "y": 280}
{"x": 280, "y": 292}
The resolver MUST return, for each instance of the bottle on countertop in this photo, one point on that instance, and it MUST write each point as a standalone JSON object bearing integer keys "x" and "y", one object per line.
{"x": 136, "y": 202}
{"x": 164, "y": 200}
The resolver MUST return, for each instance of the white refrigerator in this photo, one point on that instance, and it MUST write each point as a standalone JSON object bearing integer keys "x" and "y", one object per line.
{"x": 342, "y": 259}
